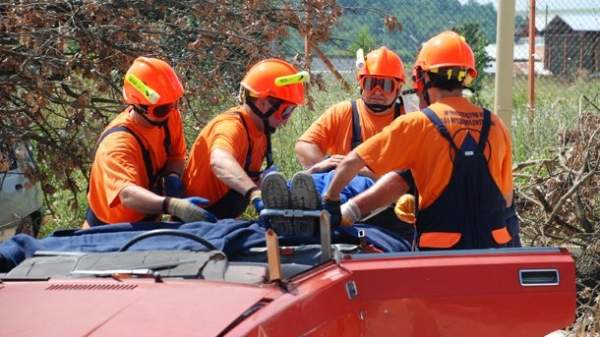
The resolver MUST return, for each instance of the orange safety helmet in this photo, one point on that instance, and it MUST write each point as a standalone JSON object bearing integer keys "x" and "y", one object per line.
{"x": 445, "y": 50}
{"x": 382, "y": 62}
{"x": 262, "y": 80}
{"x": 151, "y": 81}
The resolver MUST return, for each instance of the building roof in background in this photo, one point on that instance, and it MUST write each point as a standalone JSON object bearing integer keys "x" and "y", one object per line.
{"x": 580, "y": 21}
{"x": 579, "y": 14}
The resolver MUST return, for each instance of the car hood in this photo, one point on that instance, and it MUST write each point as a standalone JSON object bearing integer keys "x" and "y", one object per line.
{"x": 129, "y": 308}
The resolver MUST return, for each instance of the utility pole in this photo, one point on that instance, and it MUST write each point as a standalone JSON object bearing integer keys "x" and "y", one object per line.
{"x": 505, "y": 33}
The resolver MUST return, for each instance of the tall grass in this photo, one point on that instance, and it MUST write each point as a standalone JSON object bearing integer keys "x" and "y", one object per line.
{"x": 557, "y": 107}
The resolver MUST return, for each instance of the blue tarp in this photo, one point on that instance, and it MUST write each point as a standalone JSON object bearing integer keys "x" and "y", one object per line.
{"x": 231, "y": 236}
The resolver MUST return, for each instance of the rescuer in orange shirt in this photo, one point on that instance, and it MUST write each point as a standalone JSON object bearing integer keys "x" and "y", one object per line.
{"x": 140, "y": 155}
{"x": 459, "y": 155}
{"x": 347, "y": 124}
{"x": 226, "y": 158}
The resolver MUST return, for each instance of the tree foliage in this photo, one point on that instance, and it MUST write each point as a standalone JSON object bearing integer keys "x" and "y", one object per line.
{"x": 477, "y": 40}
{"x": 363, "y": 40}
{"x": 62, "y": 62}
{"x": 417, "y": 21}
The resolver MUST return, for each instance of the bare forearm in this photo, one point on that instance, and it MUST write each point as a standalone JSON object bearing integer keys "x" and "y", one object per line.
{"x": 141, "y": 200}
{"x": 229, "y": 171}
{"x": 308, "y": 154}
{"x": 383, "y": 193}
{"x": 345, "y": 171}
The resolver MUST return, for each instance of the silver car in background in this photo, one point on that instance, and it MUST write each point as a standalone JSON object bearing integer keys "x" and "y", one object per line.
{"x": 20, "y": 196}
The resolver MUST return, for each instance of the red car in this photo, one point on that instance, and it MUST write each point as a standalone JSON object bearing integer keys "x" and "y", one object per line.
{"x": 272, "y": 291}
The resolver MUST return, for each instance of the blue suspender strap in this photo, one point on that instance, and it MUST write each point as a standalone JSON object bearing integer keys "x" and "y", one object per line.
{"x": 356, "y": 134}
{"x": 248, "y": 159}
{"x": 145, "y": 152}
{"x": 485, "y": 130}
{"x": 439, "y": 126}
{"x": 167, "y": 141}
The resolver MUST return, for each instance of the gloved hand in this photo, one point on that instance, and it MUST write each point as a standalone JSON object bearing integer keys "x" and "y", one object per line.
{"x": 256, "y": 200}
{"x": 350, "y": 213}
{"x": 334, "y": 209}
{"x": 405, "y": 208}
{"x": 188, "y": 209}
{"x": 174, "y": 186}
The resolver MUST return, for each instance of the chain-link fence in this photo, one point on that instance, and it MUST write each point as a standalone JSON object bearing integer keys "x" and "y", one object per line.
{"x": 566, "y": 40}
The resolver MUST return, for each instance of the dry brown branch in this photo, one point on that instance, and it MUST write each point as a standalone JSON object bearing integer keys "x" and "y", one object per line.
{"x": 63, "y": 62}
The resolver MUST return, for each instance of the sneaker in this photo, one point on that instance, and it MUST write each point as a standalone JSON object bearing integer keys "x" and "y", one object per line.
{"x": 275, "y": 195}
{"x": 304, "y": 196}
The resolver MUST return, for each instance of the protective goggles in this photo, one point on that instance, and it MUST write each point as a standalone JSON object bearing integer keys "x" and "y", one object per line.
{"x": 283, "y": 110}
{"x": 386, "y": 84}
{"x": 159, "y": 111}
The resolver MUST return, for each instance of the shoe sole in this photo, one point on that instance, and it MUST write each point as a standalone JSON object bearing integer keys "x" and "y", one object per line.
{"x": 275, "y": 195}
{"x": 304, "y": 196}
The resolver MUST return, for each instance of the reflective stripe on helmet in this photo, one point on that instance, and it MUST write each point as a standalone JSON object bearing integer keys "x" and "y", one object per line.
{"x": 299, "y": 77}
{"x": 148, "y": 93}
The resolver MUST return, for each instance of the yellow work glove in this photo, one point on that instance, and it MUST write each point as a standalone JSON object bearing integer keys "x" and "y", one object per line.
{"x": 405, "y": 208}
{"x": 188, "y": 209}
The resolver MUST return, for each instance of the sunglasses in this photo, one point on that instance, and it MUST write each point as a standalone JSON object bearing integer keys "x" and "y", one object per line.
{"x": 386, "y": 84}
{"x": 287, "y": 111}
{"x": 284, "y": 109}
{"x": 159, "y": 110}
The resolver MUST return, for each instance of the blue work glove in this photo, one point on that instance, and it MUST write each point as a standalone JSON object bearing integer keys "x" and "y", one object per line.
{"x": 174, "y": 186}
{"x": 254, "y": 195}
{"x": 188, "y": 209}
{"x": 335, "y": 211}
{"x": 258, "y": 204}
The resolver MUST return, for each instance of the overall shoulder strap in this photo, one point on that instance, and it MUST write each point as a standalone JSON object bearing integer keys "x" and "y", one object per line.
{"x": 167, "y": 140}
{"x": 398, "y": 107}
{"x": 356, "y": 134}
{"x": 439, "y": 125}
{"x": 485, "y": 130}
{"x": 145, "y": 152}
{"x": 248, "y": 159}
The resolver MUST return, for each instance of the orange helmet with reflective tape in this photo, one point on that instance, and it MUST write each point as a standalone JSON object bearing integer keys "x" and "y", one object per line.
{"x": 445, "y": 50}
{"x": 382, "y": 62}
{"x": 270, "y": 78}
{"x": 151, "y": 81}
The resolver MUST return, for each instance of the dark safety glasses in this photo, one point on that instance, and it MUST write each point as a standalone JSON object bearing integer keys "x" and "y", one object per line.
{"x": 159, "y": 110}
{"x": 287, "y": 111}
{"x": 283, "y": 110}
{"x": 386, "y": 84}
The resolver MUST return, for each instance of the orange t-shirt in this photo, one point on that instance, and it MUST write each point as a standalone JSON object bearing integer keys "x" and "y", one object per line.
{"x": 413, "y": 142}
{"x": 225, "y": 132}
{"x": 332, "y": 132}
{"x": 119, "y": 162}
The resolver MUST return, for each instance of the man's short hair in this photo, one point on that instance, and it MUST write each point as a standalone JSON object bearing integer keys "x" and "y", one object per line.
{"x": 441, "y": 80}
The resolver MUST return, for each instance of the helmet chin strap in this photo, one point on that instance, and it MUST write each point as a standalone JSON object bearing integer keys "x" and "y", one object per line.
{"x": 426, "y": 86}
{"x": 379, "y": 107}
{"x": 264, "y": 116}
